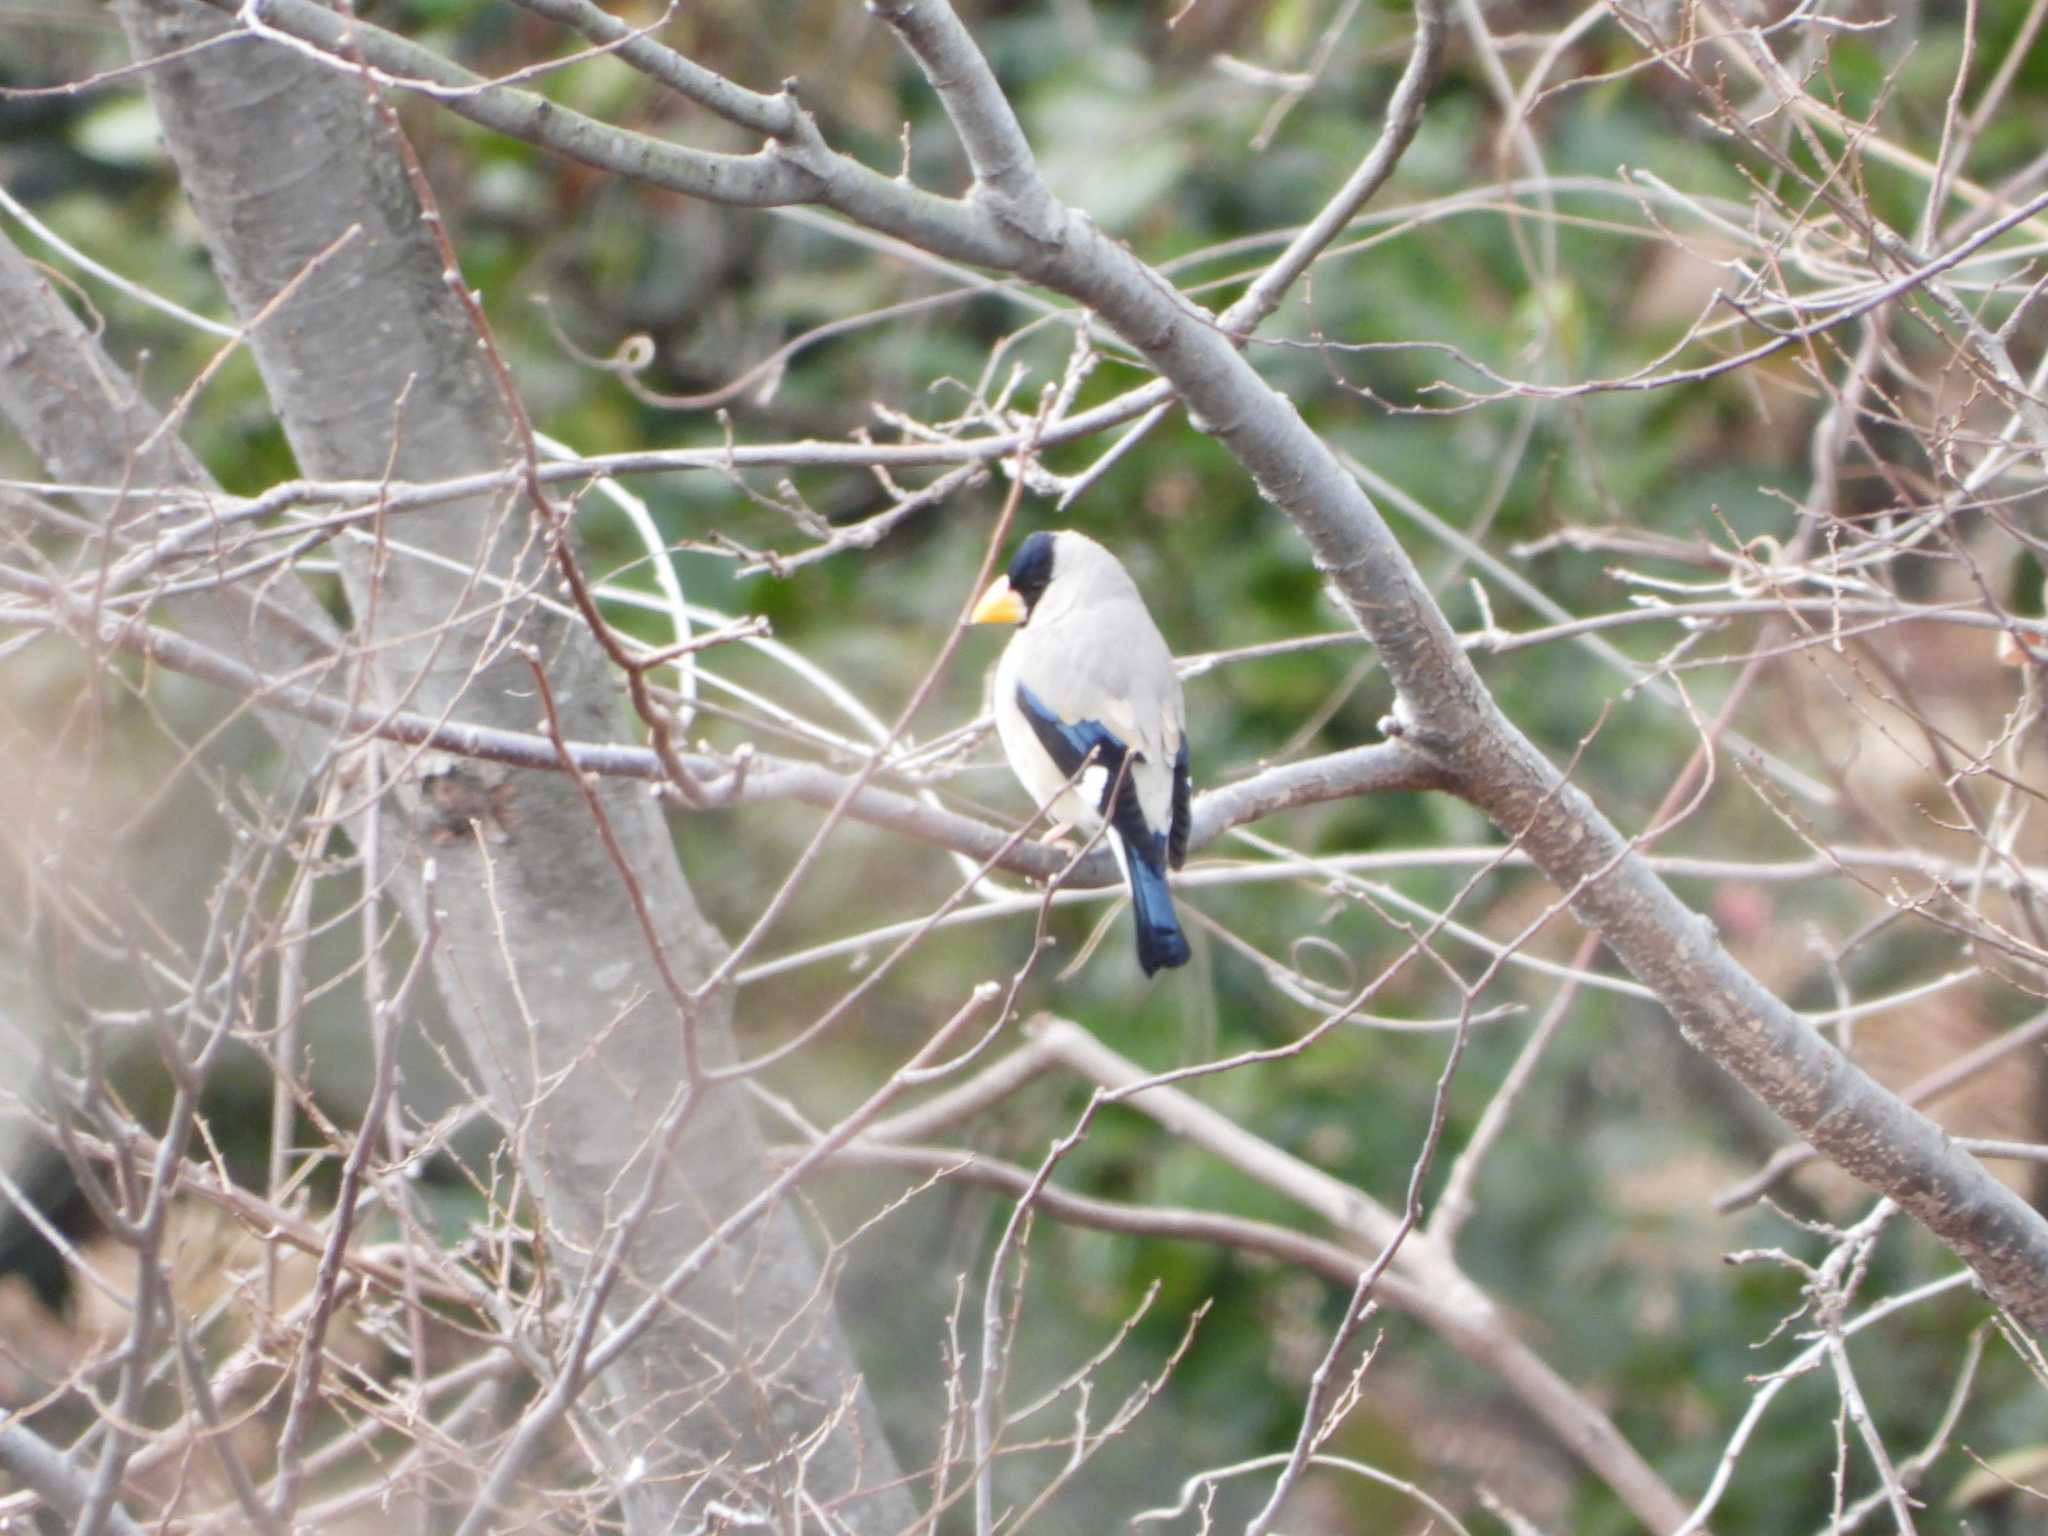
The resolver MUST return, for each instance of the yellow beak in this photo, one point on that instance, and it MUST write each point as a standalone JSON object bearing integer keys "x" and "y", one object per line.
{"x": 998, "y": 605}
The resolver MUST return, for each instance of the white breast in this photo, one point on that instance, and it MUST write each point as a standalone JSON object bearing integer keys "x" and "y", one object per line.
{"x": 1033, "y": 765}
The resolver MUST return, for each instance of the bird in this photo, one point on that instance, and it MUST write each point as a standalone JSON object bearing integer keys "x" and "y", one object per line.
{"x": 1089, "y": 711}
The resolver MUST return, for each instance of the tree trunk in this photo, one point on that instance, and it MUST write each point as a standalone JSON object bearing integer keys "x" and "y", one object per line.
{"x": 375, "y": 370}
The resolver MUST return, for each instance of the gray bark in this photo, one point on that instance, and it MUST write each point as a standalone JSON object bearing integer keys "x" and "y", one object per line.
{"x": 1010, "y": 222}
{"x": 85, "y": 421}
{"x": 1447, "y": 712}
{"x": 545, "y": 970}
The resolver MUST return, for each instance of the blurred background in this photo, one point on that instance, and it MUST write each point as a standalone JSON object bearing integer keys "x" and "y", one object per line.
{"x": 1573, "y": 203}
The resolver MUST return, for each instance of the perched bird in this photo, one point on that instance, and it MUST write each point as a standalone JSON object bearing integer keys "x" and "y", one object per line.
{"x": 1088, "y": 680}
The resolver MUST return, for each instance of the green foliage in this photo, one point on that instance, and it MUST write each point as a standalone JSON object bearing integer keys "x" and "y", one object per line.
{"x": 1578, "y": 1236}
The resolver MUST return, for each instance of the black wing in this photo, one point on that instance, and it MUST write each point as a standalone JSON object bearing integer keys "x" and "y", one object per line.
{"x": 1071, "y": 744}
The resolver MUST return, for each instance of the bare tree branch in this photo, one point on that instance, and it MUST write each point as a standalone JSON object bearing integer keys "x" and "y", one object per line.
{"x": 53, "y": 1475}
{"x": 1448, "y": 714}
{"x": 226, "y": 116}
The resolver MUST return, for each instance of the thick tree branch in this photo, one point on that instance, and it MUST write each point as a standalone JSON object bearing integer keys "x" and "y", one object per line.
{"x": 777, "y": 117}
{"x": 761, "y": 779}
{"x": 380, "y": 367}
{"x": 1446, "y": 708}
{"x": 1448, "y": 713}
{"x": 764, "y": 179}
{"x": 1429, "y": 1279}
{"x": 54, "y": 1476}
{"x": 85, "y": 420}
{"x": 443, "y": 605}
{"x": 1005, "y": 171}
{"x": 795, "y": 169}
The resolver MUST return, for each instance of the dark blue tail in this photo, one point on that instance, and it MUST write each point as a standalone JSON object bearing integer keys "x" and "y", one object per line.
{"x": 1160, "y": 940}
